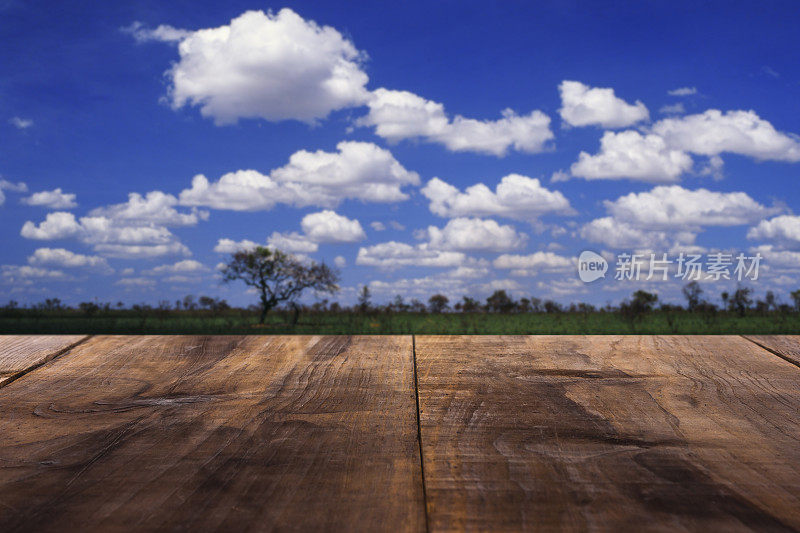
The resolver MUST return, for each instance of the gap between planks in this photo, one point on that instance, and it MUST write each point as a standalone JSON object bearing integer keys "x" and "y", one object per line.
{"x": 760, "y": 345}
{"x": 58, "y": 353}
{"x": 419, "y": 432}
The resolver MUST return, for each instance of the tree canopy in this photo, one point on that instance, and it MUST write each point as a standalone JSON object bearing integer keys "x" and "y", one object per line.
{"x": 278, "y": 276}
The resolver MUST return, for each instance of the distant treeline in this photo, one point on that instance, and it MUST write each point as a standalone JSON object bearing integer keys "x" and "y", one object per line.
{"x": 741, "y": 302}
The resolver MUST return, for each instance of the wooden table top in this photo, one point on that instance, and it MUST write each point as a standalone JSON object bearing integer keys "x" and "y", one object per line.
{"x": 400, "y": 433}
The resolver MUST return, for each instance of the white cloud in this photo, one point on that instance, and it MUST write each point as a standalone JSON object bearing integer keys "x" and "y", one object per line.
{"x": 163, "y": 33}
{"x": 673, "y": 109}
{"x": 683, "y": 91}
{"x": 465, "y": 234}
{"x": 738, "y": 132}
{"x": 377, "y": 226}
{"x": 9, "y": 186}
{"x": 398, "y": 115}
{"x": 327, "y": 226}
{"x": 111, "y": 237}
{"x": 624, "y": 236}
{"x": 185, "y": 266}
{"x": 784, "y": 230}
{"x": 294, "y": 243}
{"x": 582, "y": 105}
{"x": 517, "y": 197}
{"x": 358, "y": 170}
{"x": 20, "y": 123}
{"x": 394, "y": 254}
{"x": 775, "y": 258}
{"x": 16, "y": 274}
{"x": 65, "y": 258}
{"x": 673, "y": 206}
{"x": 468, "y": 272}
{"x": 142, "y": 251}
{"x": 155, "y": 207}
{"x": 141, "y": 283}
{"x": 533, "y": 263}
{"x": 55, "y": 199}
{"x": 58, "y": 225}
{"x": 269, "y": 66}
{"x": 340, "y": 261}
{"x": 629, "y": 154}
{"x": 229, "y": 246}
{"x": 669, "y": 218}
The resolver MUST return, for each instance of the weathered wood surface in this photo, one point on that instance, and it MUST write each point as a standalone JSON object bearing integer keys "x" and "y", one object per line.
{"x": 214, "y": 433}
{"x": 20, "y": 353}
{"x": 608, "y": 433}
{"x": 785, "y": 346}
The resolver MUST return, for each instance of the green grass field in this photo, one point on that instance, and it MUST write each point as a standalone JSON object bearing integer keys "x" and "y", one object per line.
{"x": 343, "y": 323}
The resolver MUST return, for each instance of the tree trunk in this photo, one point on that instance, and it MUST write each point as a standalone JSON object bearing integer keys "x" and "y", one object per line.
{"x": 264, "y": 307}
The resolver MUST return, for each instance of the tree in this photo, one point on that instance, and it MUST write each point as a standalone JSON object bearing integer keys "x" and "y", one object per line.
{"x": 796, "y": 298}
{"x": 438, "y": 303}
{"x": 741, "y": 300}
{"x": 640, "y": 304}
{"x": 364, "y": 298}
{"x": 692, "y": 292}
{"x": 470, "y": 305}
{"x": 500, "y": 302}
{"x": 277, "y": 276}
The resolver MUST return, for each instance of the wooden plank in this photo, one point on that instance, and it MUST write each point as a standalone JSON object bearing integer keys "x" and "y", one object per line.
{"x": 214, "y": 433}
{"x": 608, "y": 432}
{"x": 785, "y": 346}
{"x": 21, "y": 353}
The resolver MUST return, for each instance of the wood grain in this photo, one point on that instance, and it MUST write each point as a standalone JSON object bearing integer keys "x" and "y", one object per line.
{"x": 608, "y": 433}
{"x": 785, "y": 346}
{"x": 214, "y": 434}
{"x": 20, "y": 353}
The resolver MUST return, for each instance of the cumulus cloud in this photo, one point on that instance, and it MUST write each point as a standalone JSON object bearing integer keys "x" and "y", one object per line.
{"x": 65, "y": 258}
{"x": 582, "y": 105}
{"x": 466, "y": 234}
{"x": 20, "y": 123}
{"x": 155, "y": 207}
{"x": 58, "y": 225}
{"x": 394, "y": 254}
{"x": 131, "y": 283}
{"x": 229, "y": 246}
{"x": 55, "y": 199}
{"x": 137, "y": 228}
{"x": 517, "y": 197}
{"x": 631, "y": 155}
{"x": 377, "y": 226}
{"x": 357, "y": 170}
{"x": 676, "y": 207}
{"x": 669, "y": 217}
{"x": 683, "y": 91}
{"x": 273, "y": 66}
{"x": 783, "y": 230}
{"x": 340, "y": 261}
{"x": 398, "y": 115}
{"x": 22, "y": 274}
{"x": 187, "y": 266}
{"x": 533, "y": 263}
{"x": 6, "y": 185}
{"x": 625, "y": 236}
{"x": 740, "y": 132}
{"x": 327, "y": 226}
{"x": 673, "y": 109}
{"x": 163, "y": 33}
{"x": 294, "y": 243}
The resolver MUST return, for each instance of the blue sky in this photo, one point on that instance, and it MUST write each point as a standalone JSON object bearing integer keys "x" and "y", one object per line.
{"x": 352, "y": 133}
